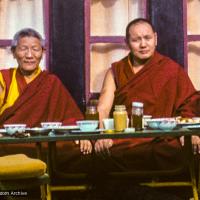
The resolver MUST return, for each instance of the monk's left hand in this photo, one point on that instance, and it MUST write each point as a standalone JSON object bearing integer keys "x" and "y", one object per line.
{"x": 85, "y": 146}
{"x": 103, "y": 145}
{"x": 195, "y": 143}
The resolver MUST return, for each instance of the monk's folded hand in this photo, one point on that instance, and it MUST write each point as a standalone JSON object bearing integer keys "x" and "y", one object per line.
{"x": 76, "y": 141}
{"x": 182, "y": 140}
{"x": 196, "y": 144}
{"x": 103, "y": 145}
{"x": 85, "y": 146}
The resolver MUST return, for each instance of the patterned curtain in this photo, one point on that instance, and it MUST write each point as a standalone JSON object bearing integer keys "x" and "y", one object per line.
{"x": 109, "y": 18}
{"x": 15, "y": 15}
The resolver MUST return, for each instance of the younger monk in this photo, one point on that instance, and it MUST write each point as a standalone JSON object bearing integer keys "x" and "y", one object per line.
{"x": 166, "y": 91}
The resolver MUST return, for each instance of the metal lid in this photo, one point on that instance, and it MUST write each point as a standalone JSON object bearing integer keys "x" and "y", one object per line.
{"x": 137, "y": 104}
{"x": 120, "y": 107}
{"x": 91, "y": 109}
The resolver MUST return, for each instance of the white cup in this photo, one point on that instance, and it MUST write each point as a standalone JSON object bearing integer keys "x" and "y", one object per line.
{"x": 108, "y": 123}
{"x": 145, "y": 119}
{"x": 127, "y": 124}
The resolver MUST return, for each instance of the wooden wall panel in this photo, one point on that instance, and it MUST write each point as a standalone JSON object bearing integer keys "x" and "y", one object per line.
{"x": 167, "y": 17}
{"x": 67, "y": 45}
{"x": 67, "y": 39}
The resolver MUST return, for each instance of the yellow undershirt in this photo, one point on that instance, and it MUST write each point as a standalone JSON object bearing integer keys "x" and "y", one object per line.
{"x": 13, "y": 92}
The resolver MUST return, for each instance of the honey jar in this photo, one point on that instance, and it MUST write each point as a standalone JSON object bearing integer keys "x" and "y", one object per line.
{"x": 120, "y": 118}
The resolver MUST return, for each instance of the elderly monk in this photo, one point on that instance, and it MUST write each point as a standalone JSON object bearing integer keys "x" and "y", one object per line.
{"x": 166, "y": 91}
{"x": 31, "y": 96}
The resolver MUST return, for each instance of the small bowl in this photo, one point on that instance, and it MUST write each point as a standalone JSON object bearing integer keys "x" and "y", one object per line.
{"x": 51, "y": 125}
{"x": 15, "y": 128}
{"x": 88, "y": 125}
{"x": 145, "y": 119}
{"x": 129, "y": 130}
{"x": 196, "y": 119}
{"x": 162, "y": 123}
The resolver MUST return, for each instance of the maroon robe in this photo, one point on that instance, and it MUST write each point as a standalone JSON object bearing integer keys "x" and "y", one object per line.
{"x": 166, "y": 91}
{"x": 162, "y": 85}
{"x": 45, "y": 99}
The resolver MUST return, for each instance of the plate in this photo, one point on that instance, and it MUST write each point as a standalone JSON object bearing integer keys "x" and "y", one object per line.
{"x": 188, "y": 124}
{"x": 2, "y": 130}
{"x": 109, "y": 130}
{"x": 63, "y": 128}
{"x": 79, "y": 131}
{"x": 74, "y": 127}
{"x": 37, "y": 131}
{"x": 193, "y": 127}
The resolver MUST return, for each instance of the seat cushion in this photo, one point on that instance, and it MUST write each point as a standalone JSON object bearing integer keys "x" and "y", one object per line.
{"x": 20, "y": 166}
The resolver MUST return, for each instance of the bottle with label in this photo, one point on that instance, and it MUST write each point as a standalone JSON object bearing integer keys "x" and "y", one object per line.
{"x": 91, "y": 113}
{"x": 120, "y": 118}
{"x": 137, "y": 116}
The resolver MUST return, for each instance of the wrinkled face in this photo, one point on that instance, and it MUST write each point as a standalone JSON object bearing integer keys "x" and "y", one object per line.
{"x": 142, "y": 41}
{"x": 28, "y": 54}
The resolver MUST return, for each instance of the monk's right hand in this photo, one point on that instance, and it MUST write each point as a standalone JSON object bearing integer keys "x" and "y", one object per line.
{"x": 103, "y": 145}
{"x": 85, "y": 146}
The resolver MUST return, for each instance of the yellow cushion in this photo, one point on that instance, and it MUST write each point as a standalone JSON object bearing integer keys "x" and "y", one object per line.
{"x": 20, "y": 166}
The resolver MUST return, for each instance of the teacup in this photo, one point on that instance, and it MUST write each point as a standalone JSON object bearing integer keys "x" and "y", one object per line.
{"x": 145, "y": 119}
{"x": 15, "y": 128}
{"x": 108, "y": 123}
{"x": 51, "y": 125}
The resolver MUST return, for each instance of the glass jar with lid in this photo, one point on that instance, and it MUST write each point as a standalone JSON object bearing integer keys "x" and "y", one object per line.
{"x": 91, "y": 113}
{"x": 120, "y": 118}
{"x": 137, "y": 115}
